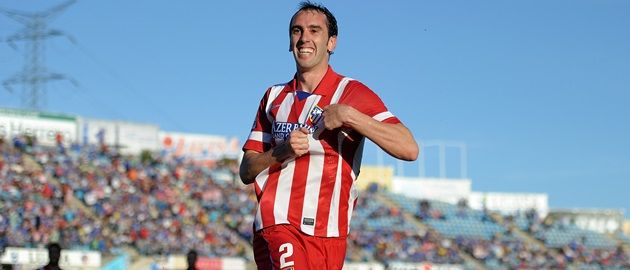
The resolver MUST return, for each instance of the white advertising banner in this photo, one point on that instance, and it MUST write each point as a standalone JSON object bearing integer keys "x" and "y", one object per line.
{"x": 43, "y": 126}
{"x": 233, "y": 264}
{"x": 445, "y": 190}
{"x": 137, "y": 137}
{"x": 424, "y": 266}
{"x": 69, "y": 259}
{"x": 510, "y": 203}
{"x": 598, "y": 220}
{"x": 80, "y": 258}
{"x": 130, "y": 138}
{"x": 199, "y": 147}
{"x": 24, "y": 256}
{"x": 363, "y": 266}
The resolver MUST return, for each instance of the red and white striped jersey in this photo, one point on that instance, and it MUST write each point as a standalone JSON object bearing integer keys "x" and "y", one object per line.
{"x": 315, "y": 192}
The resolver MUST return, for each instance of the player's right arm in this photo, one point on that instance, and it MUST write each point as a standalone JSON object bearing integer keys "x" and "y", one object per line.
{"x": 254, "y": 162}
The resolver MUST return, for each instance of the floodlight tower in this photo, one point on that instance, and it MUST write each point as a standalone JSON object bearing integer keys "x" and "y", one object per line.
{"x": 34, "y": 74}
{"x": 442, "y": 145}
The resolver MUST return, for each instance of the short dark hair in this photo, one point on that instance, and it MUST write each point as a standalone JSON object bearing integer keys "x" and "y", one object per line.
{"x": 191, "y": 255}
{"x": 191, "y": 258}
{"x": 330, "y": 18}
{"x": 53, "y": 247}
{"x": 54, "y": 253}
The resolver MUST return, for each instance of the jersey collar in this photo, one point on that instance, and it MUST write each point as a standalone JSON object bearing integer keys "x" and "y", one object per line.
{"x": 326, "y": 86}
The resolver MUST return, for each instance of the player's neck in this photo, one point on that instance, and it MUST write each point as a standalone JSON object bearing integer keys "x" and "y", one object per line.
{"x": 309, "y": 80}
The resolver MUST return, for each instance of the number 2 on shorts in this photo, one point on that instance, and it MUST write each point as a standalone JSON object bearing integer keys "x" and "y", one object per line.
{"x": 286, "y": 250}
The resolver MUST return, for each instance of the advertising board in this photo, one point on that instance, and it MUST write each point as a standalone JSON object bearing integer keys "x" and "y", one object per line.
{"x": 45, "y": 127}
{"x": 510, "y": 203}
{"x": 128, "y": 137}
{"x": 199, "y": 147}
{"x": 445, "y": 190}
{"x": 35, "y": 257}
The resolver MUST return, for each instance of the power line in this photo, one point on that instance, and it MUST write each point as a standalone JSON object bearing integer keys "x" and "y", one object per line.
{"x": 35, "y": 75}
{"x": 129, "y": 87}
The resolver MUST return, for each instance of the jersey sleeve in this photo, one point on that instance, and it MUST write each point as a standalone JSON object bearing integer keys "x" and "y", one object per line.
{"x": 259, "y": 139}
{"x": 366, "y": 101}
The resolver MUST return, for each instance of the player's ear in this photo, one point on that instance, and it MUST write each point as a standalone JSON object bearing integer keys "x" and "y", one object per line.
{"x": 332, "y": 44}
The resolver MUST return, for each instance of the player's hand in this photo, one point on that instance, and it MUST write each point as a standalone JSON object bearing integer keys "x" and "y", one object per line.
{"x": 336, "y": 115}
{"x": 298, "y": 142}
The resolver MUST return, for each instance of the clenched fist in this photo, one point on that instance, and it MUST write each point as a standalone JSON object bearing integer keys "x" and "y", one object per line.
{"x": 336, "y": 115}
{"x": 298, "y": 142}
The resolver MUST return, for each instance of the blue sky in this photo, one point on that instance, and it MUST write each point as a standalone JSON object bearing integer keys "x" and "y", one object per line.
{"x": 538, "y": 90}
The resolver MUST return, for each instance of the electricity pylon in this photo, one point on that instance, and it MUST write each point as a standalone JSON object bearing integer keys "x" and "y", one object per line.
{"x": 35, "y": 75}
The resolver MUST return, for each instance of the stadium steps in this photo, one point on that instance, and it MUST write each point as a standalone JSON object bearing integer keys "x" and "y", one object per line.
{"x": 469, "y": 260}
{"x": 540, "y": 244}
{"x": 624, "y": 240}
{"x": 532, "y": 240}
{"x": 143, "y": 263}
{"x": 386, "y": 201}
{"x": 243, "y": 242}
{"x": 618, "y": 240}
{"x": 133, "y": 254}
{"x": 358, "y": 254}
{"x": 30, "y": 163}
{"x": 522, "y": 234}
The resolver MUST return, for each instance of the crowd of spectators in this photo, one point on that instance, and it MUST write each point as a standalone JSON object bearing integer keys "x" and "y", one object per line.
{"x": 575, "y": 252}
{"x": 139, "y": 201}
{"x": 33, "y": 211}
{"x": 403, "y": 246}
{"x": 135, "y": 201}
{"x": 94, "y": 197}
{"x": 514, "y": 252}
{"x": 395, "y": 242}
{"x": 510, "y": 252}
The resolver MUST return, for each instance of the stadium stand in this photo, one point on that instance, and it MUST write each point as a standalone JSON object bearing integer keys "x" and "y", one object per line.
{"x": 138, "y": 202}
{"x": 383, "y": 233}
{"x": 498, "y": 245}
{"x": 91, "y": 197}
{"x": 35, "y": 211}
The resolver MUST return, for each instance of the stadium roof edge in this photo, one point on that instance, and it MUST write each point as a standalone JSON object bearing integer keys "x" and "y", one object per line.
{"x": 41, "y": 114}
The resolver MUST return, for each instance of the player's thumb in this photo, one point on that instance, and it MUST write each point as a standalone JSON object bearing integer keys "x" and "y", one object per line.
{"x": 304, "y": 130}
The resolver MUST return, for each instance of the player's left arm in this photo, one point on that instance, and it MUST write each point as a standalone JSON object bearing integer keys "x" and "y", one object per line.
{"x": 395, "y": 139}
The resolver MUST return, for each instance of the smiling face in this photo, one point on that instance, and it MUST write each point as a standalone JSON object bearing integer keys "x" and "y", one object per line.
{"x": 310, "y": 43}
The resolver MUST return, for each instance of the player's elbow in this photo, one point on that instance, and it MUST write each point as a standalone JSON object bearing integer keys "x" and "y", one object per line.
{"x": 245, "y": 178}
{"x": 245, "y": 173}
{"x": 410, "y": 153}
{"x": 408, "y": 149}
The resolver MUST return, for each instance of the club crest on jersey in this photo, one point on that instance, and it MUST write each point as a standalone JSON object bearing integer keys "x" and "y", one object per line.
{"x": 315, "y": 115}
